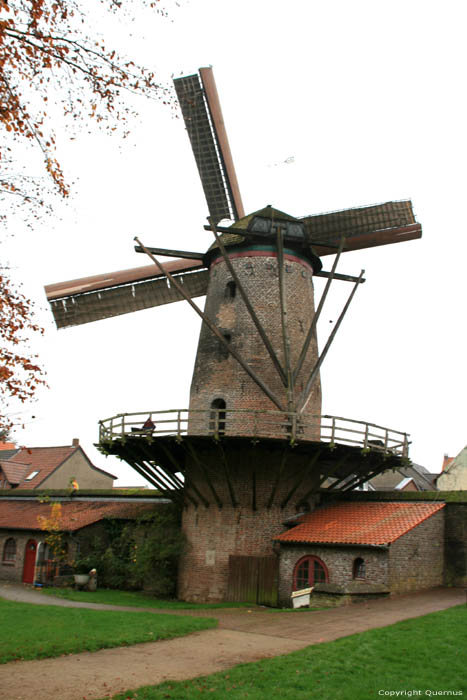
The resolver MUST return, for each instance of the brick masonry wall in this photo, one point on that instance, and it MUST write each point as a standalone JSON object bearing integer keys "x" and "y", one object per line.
{"x": 212, "y": 535}
{"x": 217, "y": 375}
{"x": 455, "y": 559}
{"x": 247, "y": 528}
{"x": 338, "y": 561}
{"x": 416, "y": 559}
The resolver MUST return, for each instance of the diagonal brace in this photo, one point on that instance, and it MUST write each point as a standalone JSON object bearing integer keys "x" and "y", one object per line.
{"x": 251, "y": 311}
{"x": 305, "y": 396}
{"x": 214, "y": 330}
{"x": 315, "y": 319}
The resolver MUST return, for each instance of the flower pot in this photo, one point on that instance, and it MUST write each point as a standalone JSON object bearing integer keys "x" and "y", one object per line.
{"x": 81, "y": 579}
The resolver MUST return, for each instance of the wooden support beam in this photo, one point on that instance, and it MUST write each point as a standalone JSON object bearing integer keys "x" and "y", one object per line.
{"x": 284, "y": 323}
{"x": 359, "y": 479}
{"x": 178, "y": 468}
{"x": 348, "y": 473}
{"x": 340, "y": 277}
{"x": 278, "y": 477}
{"x": 334, "y": 469}
{"x": 250, "y": 309}
{"x": 171, "y": 253}
{"x": 152, "y": 460}
{"x": 302, "y": 473}
{"x": 143, "y": 471}
{"x": 189, "y": 447}
{"x": 253, "y": 489}
{"x": 225, "y": 466}
{"x": 315, "y": 319}
{"x": 214, "y": 330}
{"x": 305, "y": 396}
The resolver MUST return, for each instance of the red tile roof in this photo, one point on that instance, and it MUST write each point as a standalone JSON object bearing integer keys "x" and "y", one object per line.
{"x": 44, "y": 460}
{"x": 359, "y": 523}
{"x": 7, "y": 446}
{"x": 27, "y": 515}
{"x": 14, "y": 471}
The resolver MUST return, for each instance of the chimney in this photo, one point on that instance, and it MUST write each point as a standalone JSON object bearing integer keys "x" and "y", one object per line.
{"x": 75, "y": 442}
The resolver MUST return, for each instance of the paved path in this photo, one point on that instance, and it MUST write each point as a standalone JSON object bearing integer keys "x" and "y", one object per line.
{"x": 243, "y": 635}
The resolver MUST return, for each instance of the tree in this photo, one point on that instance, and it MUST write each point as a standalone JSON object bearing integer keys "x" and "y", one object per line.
{"x": 49, "y": 65}
{"x": 48, "y": 61}
{"x": 20, "y": 375}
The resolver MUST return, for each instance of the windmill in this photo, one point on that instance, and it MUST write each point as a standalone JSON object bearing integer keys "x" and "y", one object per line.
{"x": 253, "y": 447}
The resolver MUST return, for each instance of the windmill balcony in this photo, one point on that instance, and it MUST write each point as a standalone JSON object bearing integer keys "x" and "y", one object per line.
{"x": 255, "y": 425}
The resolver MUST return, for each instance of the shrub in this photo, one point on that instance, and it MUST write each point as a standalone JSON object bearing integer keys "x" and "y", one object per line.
{"x": 142, "y": 554}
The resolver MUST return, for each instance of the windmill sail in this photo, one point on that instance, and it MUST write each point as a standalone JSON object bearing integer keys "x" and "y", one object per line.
{"x": 94, "y": 298}
{"x": 363, "y": 227}
{"x": 202, "y": 114}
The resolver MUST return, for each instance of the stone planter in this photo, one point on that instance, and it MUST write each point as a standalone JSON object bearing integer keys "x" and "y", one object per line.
{"x": 81, "y": 579}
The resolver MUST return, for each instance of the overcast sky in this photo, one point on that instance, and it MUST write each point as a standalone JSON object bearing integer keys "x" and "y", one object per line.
{"x": 328, "y": 105}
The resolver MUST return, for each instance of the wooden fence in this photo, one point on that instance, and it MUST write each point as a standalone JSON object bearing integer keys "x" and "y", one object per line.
{"x": 254, "y": 424}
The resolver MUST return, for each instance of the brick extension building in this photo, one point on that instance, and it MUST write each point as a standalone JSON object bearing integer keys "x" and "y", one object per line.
{"x": 25, "y": 556}
{"x": 353, "y": 550}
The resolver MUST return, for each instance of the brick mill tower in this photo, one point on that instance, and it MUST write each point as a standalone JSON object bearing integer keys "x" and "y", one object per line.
{"x": 253, "y": 449}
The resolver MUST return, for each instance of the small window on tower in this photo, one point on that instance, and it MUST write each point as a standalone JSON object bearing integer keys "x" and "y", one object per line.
{"x": 224, "y": 352}
{"x": 230, "y": 290}
{"x": 217, "y": 417}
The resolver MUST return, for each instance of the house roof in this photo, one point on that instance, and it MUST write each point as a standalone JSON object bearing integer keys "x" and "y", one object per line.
{"x": 447, "y": 461}
{"x": 359, "y": 523}
{"x": 7, "y": 450}
{"x": 7, "y": 446}
{"x": 23, "y": 515}
{"x": 388, "y": 480}
{"x": 43, "y": 460}
{"x": 14, "y": 471}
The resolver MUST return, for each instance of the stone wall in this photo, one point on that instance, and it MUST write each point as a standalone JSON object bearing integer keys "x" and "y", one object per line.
{"x": 339, "y": 563}
{"x": 416, "y": 559}
{"x": 455, "y": 559}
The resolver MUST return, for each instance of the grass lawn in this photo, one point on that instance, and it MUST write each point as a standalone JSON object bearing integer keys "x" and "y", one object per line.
{"x": 423, "y": 654}
{"x": 40, "y": 631}
{"x": 136, "y": 599}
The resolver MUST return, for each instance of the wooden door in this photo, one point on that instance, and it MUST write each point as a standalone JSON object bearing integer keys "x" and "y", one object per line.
{"x": 29, "y": 561}
{"x": 253, "y": 580}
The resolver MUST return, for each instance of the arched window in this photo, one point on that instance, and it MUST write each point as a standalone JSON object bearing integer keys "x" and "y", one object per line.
{"x": 217, "y": 417}
{"x": 358, "y": 568}
{"x": 230, "y": 290}
{"x": 309, "y": 571}
{"x": 9, "y": 551}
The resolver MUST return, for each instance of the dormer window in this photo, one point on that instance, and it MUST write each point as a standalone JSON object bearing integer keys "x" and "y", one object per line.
{"x": 31, "y": 475}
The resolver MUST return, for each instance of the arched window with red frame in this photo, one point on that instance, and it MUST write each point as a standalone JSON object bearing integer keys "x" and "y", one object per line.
{"x": 308, "y": 571}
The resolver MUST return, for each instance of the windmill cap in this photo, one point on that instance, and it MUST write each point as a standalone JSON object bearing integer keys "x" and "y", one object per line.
{"x": 260, "y": 223}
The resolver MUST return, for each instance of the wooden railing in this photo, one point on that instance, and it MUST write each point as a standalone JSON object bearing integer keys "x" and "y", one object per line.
{"x": 254, "y": 424}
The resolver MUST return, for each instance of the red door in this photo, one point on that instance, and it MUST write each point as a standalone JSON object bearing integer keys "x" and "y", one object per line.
{"x": 29, "y": 561}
